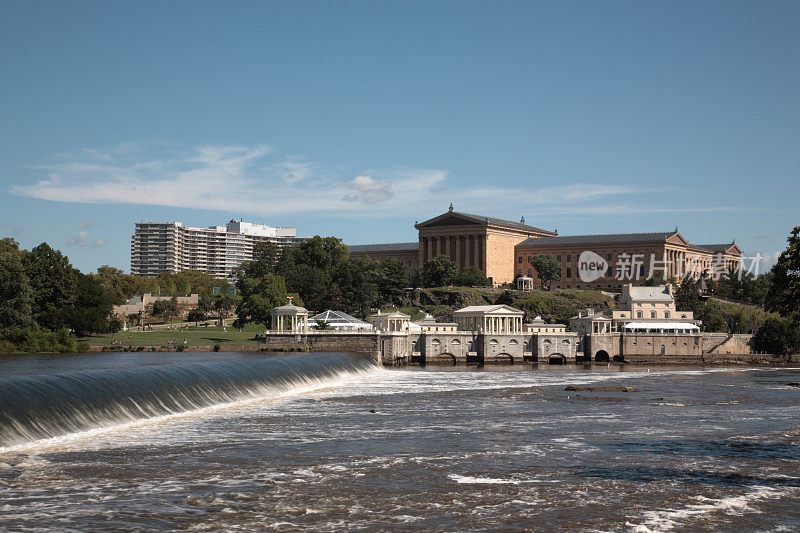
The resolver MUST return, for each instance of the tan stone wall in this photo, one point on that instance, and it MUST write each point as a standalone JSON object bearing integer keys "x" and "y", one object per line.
{"x": 723, "y": 343}
{"x": 500, "y": 255}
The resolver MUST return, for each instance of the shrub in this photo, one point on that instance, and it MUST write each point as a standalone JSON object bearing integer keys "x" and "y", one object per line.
{"x": 217, "y": 347}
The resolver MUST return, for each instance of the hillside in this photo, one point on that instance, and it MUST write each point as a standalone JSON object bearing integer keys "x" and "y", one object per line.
{"x": 559, "y": 305}
{"x": 555, "y": 306}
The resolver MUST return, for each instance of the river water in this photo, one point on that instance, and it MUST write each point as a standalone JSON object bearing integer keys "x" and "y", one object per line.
{"x": 243, "y": 442}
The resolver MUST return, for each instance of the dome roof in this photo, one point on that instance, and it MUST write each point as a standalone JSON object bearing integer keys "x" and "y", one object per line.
{"x": 289, "y": 309}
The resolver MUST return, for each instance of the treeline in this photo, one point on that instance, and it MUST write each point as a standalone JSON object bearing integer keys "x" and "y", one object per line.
{"x": 43, "y": 299}
{"x": 319, "y": 274}
{"x": 777, "y": 291}
{"x": 124, "y": 286}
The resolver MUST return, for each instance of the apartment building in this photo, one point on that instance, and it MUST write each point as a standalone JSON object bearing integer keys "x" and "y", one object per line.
{"x": 158, "y": 247}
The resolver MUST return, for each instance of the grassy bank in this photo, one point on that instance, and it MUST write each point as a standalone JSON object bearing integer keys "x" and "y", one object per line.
{"x": 195, "y": 336}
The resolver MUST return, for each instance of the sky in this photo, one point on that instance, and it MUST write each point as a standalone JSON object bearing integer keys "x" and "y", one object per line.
{"x": 356, "y": 119}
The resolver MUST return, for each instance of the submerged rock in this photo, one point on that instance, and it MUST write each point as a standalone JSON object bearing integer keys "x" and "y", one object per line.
{"x": 601, "y": 389}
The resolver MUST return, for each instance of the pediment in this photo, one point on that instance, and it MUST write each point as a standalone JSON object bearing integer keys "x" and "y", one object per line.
{"x": 677, "y": 238}
{"x": 448, "y": 219}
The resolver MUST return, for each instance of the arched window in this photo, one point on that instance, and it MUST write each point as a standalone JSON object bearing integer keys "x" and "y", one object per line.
{"x": 455, "y": 342}
{"x": 512, "y": 342}
{"x": 493, "y": 342}
{"x": 435, "y": 342}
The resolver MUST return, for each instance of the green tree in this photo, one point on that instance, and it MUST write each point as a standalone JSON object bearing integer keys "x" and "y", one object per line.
{"x": 392, "y": 280}
{"x": 777, "y": 336}
{"x": 92, "y": 307}
{"x": 784, "y": 294}
{"x": 54, "y": 285}
{"x": 16, "y": 294}
{"x": 358, "y": 279}
{"x": 259, "y": 297}
{"x": 165, "y": 309}
{"x": 114, "y": 325}
{"x": 438, "y": 272}
{"x": 712, "y": 318}
{"x": 547, "y": 268}
{"x": 472, "y": 276}
{"x": 505, "y": 298}
{"x": 196, "y": 315}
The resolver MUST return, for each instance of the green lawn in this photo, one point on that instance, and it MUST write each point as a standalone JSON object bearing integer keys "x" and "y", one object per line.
{"x": 195, "y": 336}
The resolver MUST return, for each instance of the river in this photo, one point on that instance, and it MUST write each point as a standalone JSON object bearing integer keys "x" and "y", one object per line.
{"x": 324, "y": 442}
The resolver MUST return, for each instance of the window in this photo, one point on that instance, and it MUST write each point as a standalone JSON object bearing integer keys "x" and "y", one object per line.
{"x": 569, "y": 272}
{"x": 666, "y": 314}
{"x": 608, "y": 256}
{"x": 652, "y": 314}
{"x": 639, "y": 314}
{"x": 519, "y": 259}
{"x": 455, "y": 342}
{"x": 558, "y": 258}
{"x": 569, "y": 259}
{"x": 493, "y": 342}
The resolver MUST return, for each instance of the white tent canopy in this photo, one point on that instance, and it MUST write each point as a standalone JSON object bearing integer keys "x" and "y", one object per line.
{"x": 338, "y": 320}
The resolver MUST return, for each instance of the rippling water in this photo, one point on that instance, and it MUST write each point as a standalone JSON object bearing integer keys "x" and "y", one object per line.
{"x": 466, "y": 449}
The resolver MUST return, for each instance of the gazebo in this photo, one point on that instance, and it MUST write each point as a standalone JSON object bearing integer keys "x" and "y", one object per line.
{"x": 289, "y": 318}
{"x": 524, "y": 283}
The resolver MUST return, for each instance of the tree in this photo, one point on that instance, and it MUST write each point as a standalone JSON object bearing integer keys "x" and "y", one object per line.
{"x": 712, "y": 318}
{"x": 505, "y": 298}
{"x": 438, "y": 272}
{"x": 259, "y": 297}
{"x": 223, "y": 304}
{"x": 358, "y": 280}
{"x": 54, "y": 285}
{"x": 784, "y": 294}
{"x": 777, "y": 336}
{"x": 92, "y": 307}
{"x": 547, "y": 268}
{"x": 196, "y": 315}
{"x": 472, "y": 276}
{"x": 165, "y": 309}
{"x": 114, "y": 325}
{"x": 16, "y": 294}
{"x": 392, "y": 279}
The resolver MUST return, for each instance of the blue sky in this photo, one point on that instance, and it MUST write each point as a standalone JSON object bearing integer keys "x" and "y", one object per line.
{"x": 355, "y": 119}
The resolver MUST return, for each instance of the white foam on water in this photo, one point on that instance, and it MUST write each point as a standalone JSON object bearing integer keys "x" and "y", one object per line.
{"x": 91, "y": 437}
{"x": 482, "y": 480}
{"x": 666, "y": 519}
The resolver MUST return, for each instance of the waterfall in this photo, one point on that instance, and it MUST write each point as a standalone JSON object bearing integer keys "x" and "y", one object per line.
{"x": 46, "y": 406}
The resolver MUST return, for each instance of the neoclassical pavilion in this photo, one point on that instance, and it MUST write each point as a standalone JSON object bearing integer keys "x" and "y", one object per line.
{"x": 289, "y": 318}
{"x": 396, "y": 322}
{"x": 490, "y": 319}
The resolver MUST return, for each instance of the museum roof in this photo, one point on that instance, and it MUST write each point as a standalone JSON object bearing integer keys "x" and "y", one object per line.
{"x": 600, "y": 238}
{"x": 482, "y": 219}
{"x": 388, "y": 247}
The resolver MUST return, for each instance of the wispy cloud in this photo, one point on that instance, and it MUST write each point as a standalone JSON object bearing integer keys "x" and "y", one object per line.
{"x": 83, "y": 238}
{"x": 254, "y": 180}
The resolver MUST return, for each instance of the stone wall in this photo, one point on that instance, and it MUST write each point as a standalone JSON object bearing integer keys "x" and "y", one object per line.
{"x": 724, "y": 343}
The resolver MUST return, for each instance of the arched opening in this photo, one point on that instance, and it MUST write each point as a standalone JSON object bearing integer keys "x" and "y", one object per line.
{"x": 618, "y": 359}
{"x": 601, "y": 357}
{"x": 503, "y": 358}
{"x": 443, "y": 358}
{"x": 557, "y": 359}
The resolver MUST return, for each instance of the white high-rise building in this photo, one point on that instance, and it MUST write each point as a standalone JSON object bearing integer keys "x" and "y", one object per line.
{"x": 158, "y": 247}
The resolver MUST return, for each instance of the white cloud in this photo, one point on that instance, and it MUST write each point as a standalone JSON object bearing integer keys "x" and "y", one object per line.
{"x": 82, "y": 239}
{"x": 369, "y": 190}
{"x": 253, "y": 180}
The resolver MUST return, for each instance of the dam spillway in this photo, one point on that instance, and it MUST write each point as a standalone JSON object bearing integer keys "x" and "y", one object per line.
{"x": 39, "y": 407}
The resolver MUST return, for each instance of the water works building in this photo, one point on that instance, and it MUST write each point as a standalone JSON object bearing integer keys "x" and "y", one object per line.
{"x": 502, "y": 249}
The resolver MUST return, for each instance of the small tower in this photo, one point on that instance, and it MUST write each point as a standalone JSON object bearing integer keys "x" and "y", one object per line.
{"x": 451, "y": 207}
{"x": 522, "y": 220}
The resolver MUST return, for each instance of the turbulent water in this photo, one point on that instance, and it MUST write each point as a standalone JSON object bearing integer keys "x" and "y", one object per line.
{"x": 222, "y": 442}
